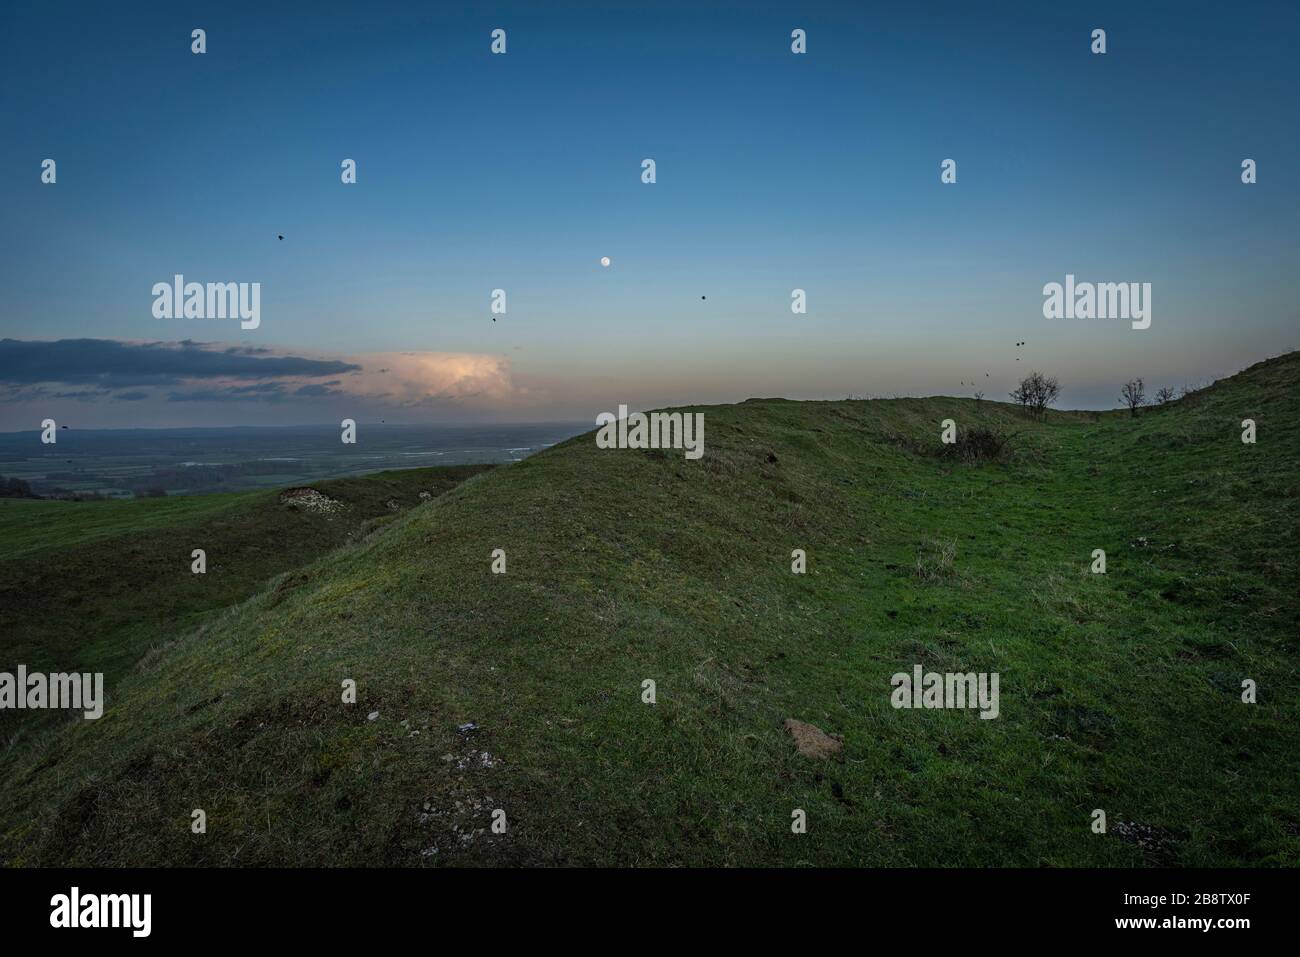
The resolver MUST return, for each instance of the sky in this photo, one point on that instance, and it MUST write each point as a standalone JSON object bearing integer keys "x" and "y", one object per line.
{"x": 775, "y": 171}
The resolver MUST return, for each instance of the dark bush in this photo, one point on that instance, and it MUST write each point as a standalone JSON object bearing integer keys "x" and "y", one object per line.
{"x": 979, "y": 444}
{"x": 15, "y": 488}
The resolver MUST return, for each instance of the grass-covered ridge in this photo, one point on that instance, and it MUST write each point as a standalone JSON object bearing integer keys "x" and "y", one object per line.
{"x": 1119, "y": 692}
{"x": 91, "y": 586}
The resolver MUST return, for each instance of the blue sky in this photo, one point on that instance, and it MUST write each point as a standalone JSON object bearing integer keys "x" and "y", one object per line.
{"x": 775, "y": 171}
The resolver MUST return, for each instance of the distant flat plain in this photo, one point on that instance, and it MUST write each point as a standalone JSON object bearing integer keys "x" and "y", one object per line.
{"x": 129, "y": 462}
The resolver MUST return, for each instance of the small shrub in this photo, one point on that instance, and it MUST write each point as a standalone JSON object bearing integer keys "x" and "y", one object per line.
{"x": 980, "y": 444}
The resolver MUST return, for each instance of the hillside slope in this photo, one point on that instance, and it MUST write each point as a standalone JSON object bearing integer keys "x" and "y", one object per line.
{"x": 1118, "y": 691}
{"x": 91, "y": 586}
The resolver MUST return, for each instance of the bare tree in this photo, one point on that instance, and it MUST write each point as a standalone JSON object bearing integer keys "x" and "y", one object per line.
{"x": 1036, "y": 392}
{"x": 1164, "y": 395}
{"x": 1133, "y": 395}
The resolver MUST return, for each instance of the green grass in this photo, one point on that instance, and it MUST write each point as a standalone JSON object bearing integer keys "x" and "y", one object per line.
{"x": 1119, "y": 692}
{"x": 31, "y": 526}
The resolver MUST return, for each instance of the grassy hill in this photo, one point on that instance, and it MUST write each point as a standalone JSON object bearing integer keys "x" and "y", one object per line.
{"x": 1118, "y": 691}
{"x": 91, "y": 586}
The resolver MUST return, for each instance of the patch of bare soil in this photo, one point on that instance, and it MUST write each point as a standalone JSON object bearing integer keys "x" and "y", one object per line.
{"x": 812, "y": 741}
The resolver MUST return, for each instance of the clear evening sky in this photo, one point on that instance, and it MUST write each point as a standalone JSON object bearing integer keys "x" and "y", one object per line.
{"x": 775, "y": 171}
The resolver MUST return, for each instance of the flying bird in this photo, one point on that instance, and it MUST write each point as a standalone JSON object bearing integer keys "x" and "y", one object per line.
{"x": 279, "y": 236}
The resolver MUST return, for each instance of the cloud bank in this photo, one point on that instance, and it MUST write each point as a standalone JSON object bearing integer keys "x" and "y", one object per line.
{"x": 38, "y": 378}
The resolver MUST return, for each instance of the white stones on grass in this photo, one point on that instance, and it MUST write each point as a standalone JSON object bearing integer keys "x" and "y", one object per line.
{"x": 310, "y": 500}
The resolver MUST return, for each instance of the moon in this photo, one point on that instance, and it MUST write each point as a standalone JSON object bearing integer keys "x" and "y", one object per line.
{"x": 604, "y": 260}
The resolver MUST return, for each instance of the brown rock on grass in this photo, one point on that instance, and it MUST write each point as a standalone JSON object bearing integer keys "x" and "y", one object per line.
{"x": 812, "y": 741}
